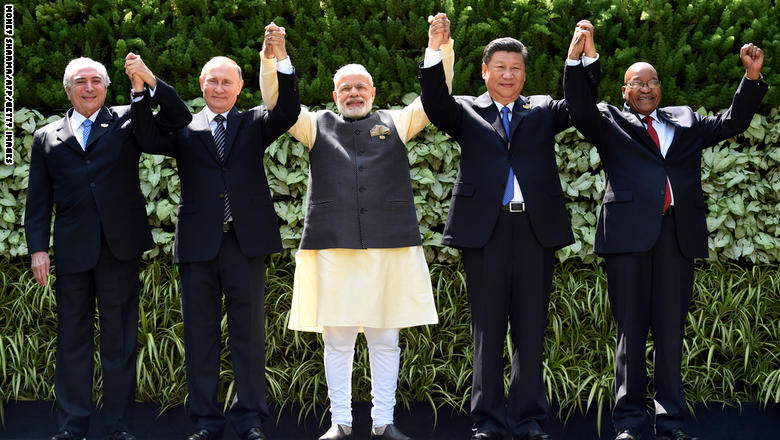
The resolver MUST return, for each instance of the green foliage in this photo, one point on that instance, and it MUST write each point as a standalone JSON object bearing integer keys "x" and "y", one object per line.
{"x": 693, "y": 45}
{"x": 741, "y": 182}
{"x": 731, "y": 347}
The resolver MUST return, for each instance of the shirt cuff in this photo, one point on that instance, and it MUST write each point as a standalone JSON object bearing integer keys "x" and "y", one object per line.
{"x": 432, "y": 57}
{"x": 586, "y": 61}
{"x": 284, "y": 66}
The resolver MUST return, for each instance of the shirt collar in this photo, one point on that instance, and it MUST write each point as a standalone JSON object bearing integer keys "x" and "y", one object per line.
{"x": 499, "y": 106}
{"x": 210, "y": 114}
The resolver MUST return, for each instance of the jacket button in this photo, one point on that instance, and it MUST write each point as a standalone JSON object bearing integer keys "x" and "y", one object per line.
{"x": 363, "y": 210}
{"x": 221, "y": 195}
{"x": 92, "y": 184}
{"x": 362, "y": 189}
{"x": 89, "y": 161}
{"x": 361, "y": 168}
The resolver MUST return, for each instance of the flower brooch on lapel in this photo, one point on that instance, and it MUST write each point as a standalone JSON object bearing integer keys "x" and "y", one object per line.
{"x": 380, "y": 130}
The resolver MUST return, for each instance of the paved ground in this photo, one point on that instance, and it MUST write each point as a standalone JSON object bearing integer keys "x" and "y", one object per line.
{"x": 36, "y": 421}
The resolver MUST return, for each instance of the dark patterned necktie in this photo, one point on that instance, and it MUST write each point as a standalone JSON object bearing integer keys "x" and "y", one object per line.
{"x": 219, "y": 140}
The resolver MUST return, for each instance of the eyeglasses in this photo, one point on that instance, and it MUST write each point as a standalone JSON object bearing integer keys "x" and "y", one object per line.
{"x": 652, "y": 84}
{"x": 347, "y": 88}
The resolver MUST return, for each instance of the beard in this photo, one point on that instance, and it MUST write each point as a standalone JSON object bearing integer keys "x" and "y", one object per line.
{"x": 354, "y": 111}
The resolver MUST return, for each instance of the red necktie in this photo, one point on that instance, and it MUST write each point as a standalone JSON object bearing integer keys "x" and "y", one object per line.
{"x": 654, "y": 134}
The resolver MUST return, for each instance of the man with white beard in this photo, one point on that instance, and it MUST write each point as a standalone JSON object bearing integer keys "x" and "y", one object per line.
{"x": 360, "y": 265}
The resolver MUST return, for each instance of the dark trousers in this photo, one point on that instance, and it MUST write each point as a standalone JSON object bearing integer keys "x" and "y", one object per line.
{"x": 115, "y": 285}
{"x": 650, "y": 291}
{"x": 241, "y": 279}
{"x": 508, "y": 281}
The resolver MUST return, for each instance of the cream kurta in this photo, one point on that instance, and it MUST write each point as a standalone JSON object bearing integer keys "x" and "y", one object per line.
{"x": 381, "y": 288}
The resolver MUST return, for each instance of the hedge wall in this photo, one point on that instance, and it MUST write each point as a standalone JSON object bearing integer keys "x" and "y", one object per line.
{"x": 692, "y": 44}
{"x": 733, "y": 335}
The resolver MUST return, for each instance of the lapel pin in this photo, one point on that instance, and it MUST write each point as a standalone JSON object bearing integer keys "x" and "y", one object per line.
{"x": 526, "y": 106}
{"x": 104, "y": 125}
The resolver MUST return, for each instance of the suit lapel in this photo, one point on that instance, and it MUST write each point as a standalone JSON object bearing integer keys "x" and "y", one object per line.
{"x": 671, "y": 120}
{"x": 101, "y": 126}
{"x": 233, "y": 121}
{"x": 66, "y": 136}
{"x": 200, "y": 125}
{"x": 487, "y": 109}
{"x": 519, "y": 111}
{"x": 640, "y": 132}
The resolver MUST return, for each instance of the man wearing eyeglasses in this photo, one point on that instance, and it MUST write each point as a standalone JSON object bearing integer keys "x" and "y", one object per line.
{"x": 652, "y": 223}
{"x": 360, "y": 266}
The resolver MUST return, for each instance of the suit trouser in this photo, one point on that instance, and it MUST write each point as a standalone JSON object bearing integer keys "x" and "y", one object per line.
{"x": 242, "y": 280}
{"x": 115, "y": 285}
{"x": 650, "y": 291}
{"x": 384, "y": 355}
{"x": 508, "y": 280}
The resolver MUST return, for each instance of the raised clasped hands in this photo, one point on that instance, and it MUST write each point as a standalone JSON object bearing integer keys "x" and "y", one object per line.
{"x": 582, "y": 41}
{"x": 138, "y": 73}
{"x": 753, "y": 59}
{"x": 438, "y": 31}
{"x": 274, "y": 42}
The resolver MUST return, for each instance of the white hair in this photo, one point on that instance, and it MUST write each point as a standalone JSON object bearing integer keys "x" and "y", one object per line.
{"x": 79, "y": 63}
{"x": 350, "y": 69}
{"x": 216, "y": 61}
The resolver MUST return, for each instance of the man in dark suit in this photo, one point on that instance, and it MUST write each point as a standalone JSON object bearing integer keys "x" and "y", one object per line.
{"x": 652, "y": 223}
{"x": 508, "y": 216}
{"x": 86, "y": 165}
{"x": 226, "y": 226}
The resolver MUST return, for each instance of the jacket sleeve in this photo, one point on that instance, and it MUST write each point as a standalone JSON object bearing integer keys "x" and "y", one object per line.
{"x": 737, "y": 118}
{"x": 154, "y": 133}
{"x": 285, "y": 113}
{"x": 40, "y": 195}
{"x": 441, "y": 107}
{"x": 580, "y": 90}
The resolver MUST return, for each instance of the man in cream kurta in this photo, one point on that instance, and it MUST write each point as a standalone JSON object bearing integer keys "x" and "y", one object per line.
{"x": 360, "y": 265}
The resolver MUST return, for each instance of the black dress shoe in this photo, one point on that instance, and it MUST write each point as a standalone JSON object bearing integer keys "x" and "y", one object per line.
{"x": 675, "y": 434}
{"x": 121, "y": 435}
{"x": 337, "y": 432}
{"x": 627, "y": 434}
{"x": 537, "y": 435}
{"x": 203, "y": 434}
{"x": 254, "y": 433}
{"x": 390, "y": 432}
{"x": 68, "y": 435}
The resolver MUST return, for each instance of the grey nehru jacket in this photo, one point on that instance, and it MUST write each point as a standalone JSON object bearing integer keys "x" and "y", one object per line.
{"x": 360, "y": 193}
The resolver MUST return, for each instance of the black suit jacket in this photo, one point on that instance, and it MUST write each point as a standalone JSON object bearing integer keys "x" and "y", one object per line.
{"x": 93, "y": 190}
{"x": 204, "y": 178}
{"x": 630, "y": 217}
{"x": 475, "y": 123}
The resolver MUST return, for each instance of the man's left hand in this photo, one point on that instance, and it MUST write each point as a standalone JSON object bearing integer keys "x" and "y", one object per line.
{"x": 438, "y": 31}
{"x": 138, "y": 73}
{"x": 752, "y": 58}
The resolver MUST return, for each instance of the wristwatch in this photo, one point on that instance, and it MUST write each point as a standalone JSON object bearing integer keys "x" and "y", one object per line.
{"x": 134, "y": 94}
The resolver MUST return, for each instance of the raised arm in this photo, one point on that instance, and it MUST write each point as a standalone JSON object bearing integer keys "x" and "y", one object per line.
{"x": 274, "y": 51}
{"x": 435, "y": 80}
{"x": 153, "y": 132}
{"x": 412, "y": 118}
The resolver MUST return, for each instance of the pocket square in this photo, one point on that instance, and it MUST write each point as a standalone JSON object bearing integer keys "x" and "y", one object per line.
{"x": 380, "y": 130}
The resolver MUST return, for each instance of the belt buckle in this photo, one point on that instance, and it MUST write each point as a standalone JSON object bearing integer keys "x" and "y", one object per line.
{"x": 516, "y": 206}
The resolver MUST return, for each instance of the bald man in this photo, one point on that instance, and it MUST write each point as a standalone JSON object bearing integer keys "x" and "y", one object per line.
{"x": 652, "y": 223}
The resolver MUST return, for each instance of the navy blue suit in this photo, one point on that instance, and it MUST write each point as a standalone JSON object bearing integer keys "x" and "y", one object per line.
{"x": 508, "y": 257}
{"x": 649, "y": 257}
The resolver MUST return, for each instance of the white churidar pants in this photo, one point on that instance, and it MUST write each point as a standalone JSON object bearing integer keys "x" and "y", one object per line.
{"x": 384, "y": 356}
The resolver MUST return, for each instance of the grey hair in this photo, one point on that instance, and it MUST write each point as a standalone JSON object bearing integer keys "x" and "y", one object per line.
{"x": 217, "y": 61}
{"x": 351, "y": 68}
{"x": 77, "y": 64}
